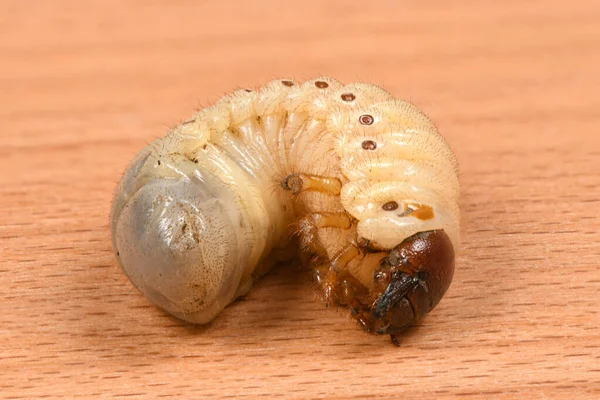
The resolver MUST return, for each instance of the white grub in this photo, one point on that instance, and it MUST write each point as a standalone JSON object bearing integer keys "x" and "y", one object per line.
{"x": 199, "y": 213}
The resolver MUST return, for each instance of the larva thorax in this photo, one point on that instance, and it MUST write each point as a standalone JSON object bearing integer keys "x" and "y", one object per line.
{"x": 199, "y": 212}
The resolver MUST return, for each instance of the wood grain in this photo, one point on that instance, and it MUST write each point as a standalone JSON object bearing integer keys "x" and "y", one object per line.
{"x": 513, "y": 85}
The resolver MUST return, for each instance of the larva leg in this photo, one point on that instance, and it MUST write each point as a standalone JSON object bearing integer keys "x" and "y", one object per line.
{"x": 337, "y": 266}
{"x": 355, "y": 295}
{"x": 310, "y": 224}
{"x": 330, "y": 220}
{"x": 305, "y": 182}
{"x": 350, "y": 292}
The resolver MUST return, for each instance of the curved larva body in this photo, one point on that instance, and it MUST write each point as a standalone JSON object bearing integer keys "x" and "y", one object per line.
{"x": 200, "y": 213}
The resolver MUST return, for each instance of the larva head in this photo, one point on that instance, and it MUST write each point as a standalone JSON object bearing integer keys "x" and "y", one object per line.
{"x": 176, "y": 233}
{"x": 412, "y": 279}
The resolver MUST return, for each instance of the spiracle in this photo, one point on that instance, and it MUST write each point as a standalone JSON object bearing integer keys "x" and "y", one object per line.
{"x": 364, "y": 181}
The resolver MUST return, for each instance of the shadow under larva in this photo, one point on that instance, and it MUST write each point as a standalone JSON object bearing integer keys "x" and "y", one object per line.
{"x": 367, "y": 182}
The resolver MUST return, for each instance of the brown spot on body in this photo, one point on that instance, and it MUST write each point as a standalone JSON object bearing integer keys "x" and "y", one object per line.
{"x": 287, "y": 83}
{"x": 369, "y": 145}
{"x": 366, "y": 119}
{"x": 420, "y": 211}
{"x": 321, "y": 84}
{"x": 348, "y": 96}
{"x": 390, "y": 206}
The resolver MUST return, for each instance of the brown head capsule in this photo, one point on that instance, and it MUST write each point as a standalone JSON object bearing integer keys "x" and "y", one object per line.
{"x": 417, "y": 274}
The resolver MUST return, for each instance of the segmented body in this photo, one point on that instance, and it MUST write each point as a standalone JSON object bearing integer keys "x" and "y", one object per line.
{"x": 202, "y": 212}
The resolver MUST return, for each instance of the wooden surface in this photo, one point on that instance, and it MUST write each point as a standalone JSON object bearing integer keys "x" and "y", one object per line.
{"x": 513, "y": 85}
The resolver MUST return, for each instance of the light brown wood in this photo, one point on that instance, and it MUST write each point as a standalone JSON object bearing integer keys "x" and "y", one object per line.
{"x": 513, "y": 85}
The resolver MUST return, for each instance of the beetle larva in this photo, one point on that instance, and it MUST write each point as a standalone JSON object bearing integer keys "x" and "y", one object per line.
{"x": 367, "y": 182}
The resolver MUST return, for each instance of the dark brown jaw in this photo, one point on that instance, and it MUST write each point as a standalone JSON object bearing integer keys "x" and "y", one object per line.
{"x": 399, "y": 286}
